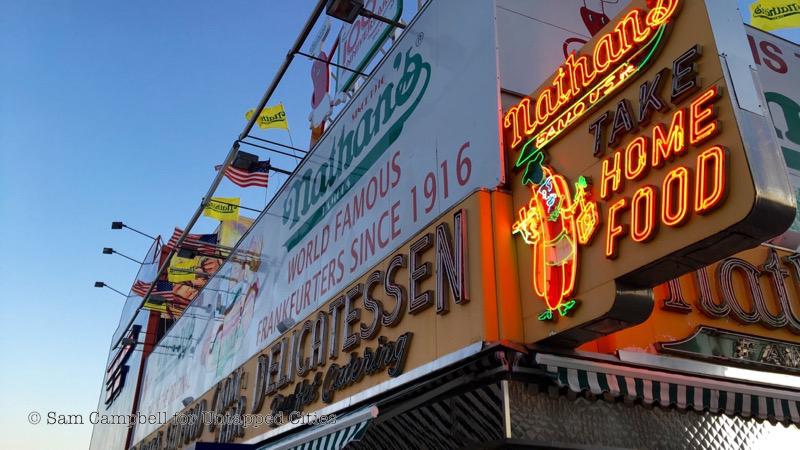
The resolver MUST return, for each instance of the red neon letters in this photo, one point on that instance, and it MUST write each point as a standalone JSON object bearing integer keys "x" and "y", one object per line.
{"x": 682, "y": 190}
{"x": 578, "y": 73}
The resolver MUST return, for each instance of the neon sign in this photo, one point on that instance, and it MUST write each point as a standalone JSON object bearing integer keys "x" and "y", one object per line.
{"x": 555, "y": 225}
{"x": 584, "y": 82}
{"x": 683, "y": 190}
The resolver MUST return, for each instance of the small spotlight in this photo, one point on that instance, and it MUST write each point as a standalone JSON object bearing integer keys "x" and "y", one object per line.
{"x": 108, "y": 250}
{"x": 346, "y": 10}
{"x": 99, "y": 284}
{"x": 116, "y": 225}
{"x": 187, "y": 401}
{"x": 187, "y": 253}
{"x": 285, "y": 324}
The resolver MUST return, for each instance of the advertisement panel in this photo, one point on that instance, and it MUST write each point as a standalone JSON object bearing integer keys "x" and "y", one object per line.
{"x": 427, "y": 300}
{"x": 360, "y": 40}
{"x": 636, "y": 163}
{"x": 778, "y": 63}
{"x": 742, "y": 311}
{"x": 409, "y": 146}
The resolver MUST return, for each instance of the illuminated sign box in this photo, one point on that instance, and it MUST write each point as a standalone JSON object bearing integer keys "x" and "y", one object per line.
{"x": 638, "y": 161}
{"x": 433, "y": 297}
{"x": 741, "y": 311}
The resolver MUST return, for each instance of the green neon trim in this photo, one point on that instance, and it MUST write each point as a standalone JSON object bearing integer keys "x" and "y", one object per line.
{"x": 653, "y": 46}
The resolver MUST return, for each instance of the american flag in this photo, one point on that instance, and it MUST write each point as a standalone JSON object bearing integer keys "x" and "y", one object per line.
{"x": 203, "y": 243}
{"x": 140, "y": 288}
{"x": 163, "y": 289}
{"x": 257, "y": 175}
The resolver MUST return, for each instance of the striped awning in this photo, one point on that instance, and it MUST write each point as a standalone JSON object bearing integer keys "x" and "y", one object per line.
{"x": 330, "y": 436}
{"x": 654, "y": 387}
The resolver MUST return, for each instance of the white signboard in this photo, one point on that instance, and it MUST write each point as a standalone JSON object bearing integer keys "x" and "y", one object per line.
{"x": 359, "y": 41}
{"x": 419, "y": 136}
{"x": 536, "y": 36}
{"x": 778, "y": 63}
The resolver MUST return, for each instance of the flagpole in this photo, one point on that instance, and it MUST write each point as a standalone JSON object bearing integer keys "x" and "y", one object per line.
{"x": 318, "y": 9}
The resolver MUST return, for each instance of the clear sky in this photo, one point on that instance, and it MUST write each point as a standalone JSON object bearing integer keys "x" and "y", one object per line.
{"x": 112, "y": 111}
{"x": 109, "y": 111}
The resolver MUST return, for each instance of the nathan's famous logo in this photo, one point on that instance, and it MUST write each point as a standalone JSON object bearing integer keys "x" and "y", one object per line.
{"x": 555, "y": 224}
{"x": 266, "y": 119}
{"x": 312, "y": 195}
{"x": 789, "y": 8}
{"x": 583, "y": 82}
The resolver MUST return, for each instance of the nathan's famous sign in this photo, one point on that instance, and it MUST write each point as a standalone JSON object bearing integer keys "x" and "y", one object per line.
{"x": 426, "y": 300}
{"x": 743, "y": 311}
{"x": 634, "y": 164}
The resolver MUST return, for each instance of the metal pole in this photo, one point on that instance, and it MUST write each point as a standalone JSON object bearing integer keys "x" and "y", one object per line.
{"x": 128, "y": 257}
{"x": 332, "y": 63}
{"x": 278, "y": 144}
{"x": 235, "y": 148}
{"x": 270, "y": 149}
{"x": 137, "y": 231}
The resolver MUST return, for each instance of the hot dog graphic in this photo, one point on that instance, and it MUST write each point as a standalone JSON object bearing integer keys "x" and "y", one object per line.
{"x": 555, "y": 223}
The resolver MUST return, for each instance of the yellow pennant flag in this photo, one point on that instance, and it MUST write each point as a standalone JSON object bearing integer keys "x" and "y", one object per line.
{"x": 771, "y": 15}
{"x": 222, "y": 208}
{"x": 270, "y": 117}
{"x": 157, "y": 306}
{"x": 182, "y": 269}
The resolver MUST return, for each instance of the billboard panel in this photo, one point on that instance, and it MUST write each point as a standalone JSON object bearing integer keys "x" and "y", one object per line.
{"x": 409, "y": 146}
{"x": 778, "y": 63}
{"x": 742, "y": 311}
{"x": 385, "y": 328}
{"x": 644, "y": 156}
{"x": 360, "y": 41}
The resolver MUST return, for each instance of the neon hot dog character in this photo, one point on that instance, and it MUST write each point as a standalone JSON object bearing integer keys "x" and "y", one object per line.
{"x": 555, "y": 224}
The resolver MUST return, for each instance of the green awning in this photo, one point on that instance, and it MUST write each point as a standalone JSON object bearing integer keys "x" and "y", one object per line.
{"x": 330, "y": 436}
{"x": 654, "y": 387}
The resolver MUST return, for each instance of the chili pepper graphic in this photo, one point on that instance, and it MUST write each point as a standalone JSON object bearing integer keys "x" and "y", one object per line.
{"x": 554, "y": 224}
{"x": 593, "y": 20}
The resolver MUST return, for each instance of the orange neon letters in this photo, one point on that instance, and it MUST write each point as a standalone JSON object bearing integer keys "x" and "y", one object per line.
{"x": 675, "y": 192}
{"x": 636, "y": 163}
{"x": 711, "y": 182}
{"x": 643, "y": 214}
{"x": 611, "y": 176}
{"x": 578, "y": 73}
{"x": 614, "y": 229}
{"x": 667, "y": 145}
{"x": 701, "y": 128}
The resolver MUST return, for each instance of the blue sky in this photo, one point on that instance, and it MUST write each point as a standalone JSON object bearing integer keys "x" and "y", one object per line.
{"x": 113, "y": 111}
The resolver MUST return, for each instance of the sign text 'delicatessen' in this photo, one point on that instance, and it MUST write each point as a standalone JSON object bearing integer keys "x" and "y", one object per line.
{"x": 382, "y": 172}
{"x": 631, "y": 168}
{"x": 424, "y": 301}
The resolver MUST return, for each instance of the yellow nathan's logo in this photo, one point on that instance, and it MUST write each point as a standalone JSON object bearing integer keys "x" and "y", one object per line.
{"x": 775, "y": 14}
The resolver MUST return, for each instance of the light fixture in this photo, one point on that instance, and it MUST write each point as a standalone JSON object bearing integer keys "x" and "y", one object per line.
{"x": 285, "y": 324}
{"x": 244, "y": 160}
{"x": 120, "y": 225}
{"x": 187, "y": 401}
{"x": 187, "y": 253}
{"x": 111, "y": 251}
{"x": 100, "y": 284}
{"x": 349, "y": 10}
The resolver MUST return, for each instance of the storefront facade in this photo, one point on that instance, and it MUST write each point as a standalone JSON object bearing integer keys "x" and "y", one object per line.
{"x": 520, "y": 233}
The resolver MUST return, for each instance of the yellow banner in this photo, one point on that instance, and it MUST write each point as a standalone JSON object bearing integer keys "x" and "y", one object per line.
{"x": 230, "y": 232}
{"x": 775, "y": 14}
{"x": 155, "y": 306}
{"x": 182, "y": 269}
{"x": 270, "y": 117}
{"x": 222, "y": 208}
